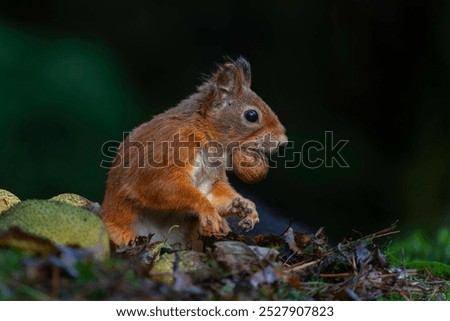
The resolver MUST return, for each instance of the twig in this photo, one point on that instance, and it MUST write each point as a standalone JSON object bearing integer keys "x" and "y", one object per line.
{"x": 435, "y": 290}
{"x": 386, "y": 234}
{"x": 383, "y": 233}
{"x": 355, "y": 272}
{"x": 437, "y": 282}
{"x": 320, "y": 230}
{"x": 334, "y": 275}
{"x": 288, "y": 227}
{"x": 297, "y": 267}
{"x": 404, "y": 267}
{"x": 290, "y": 257}
{"x": 352, "y": 294}
{"x": 409, "y": 272}
{"x": 404, "y": 295}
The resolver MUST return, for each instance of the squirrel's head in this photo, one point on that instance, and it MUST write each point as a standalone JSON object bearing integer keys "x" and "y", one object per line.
{"x": 239, "y": 119}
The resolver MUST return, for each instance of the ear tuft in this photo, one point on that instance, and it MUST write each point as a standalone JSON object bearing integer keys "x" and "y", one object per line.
{"x": 244, "y": 65}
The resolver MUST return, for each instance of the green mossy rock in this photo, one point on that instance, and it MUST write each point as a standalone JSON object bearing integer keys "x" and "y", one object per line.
{"x": 193, "y": 263}
{"x": 72, "y": 199}
{"x": 61, "y": 223}
{"x": 7, "y": 200}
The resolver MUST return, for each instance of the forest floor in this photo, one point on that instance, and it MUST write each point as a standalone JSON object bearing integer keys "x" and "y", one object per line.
{"x": 291, "y": 266}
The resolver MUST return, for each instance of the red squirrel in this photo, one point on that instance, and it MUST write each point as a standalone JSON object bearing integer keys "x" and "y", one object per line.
{"x": 169, "y": 177}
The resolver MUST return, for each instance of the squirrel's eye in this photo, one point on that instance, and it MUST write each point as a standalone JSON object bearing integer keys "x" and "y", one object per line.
{"x": 251, "y": 115}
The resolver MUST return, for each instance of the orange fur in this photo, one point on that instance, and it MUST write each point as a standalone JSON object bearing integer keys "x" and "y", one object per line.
{"x": 144, "y": 197}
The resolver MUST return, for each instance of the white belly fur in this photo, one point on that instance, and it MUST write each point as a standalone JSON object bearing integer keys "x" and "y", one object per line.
{"x": 203, "y": 175}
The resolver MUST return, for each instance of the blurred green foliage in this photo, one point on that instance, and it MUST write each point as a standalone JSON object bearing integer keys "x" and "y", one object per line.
{"x": 11, "y": 267}
{"x": 418, "y": 246}
{"x": 419, "y": 251}
{"x": 61, "y": 100}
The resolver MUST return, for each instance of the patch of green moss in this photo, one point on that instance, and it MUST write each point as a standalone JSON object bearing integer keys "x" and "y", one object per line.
{"x": 438, "y": 269}
{"x": 61, "y": 223}
{"x": 72, "y": 199}
{"x": 418, "y": 247}
{"x": 7, "y": 200}
{"x": 416, "y": 251}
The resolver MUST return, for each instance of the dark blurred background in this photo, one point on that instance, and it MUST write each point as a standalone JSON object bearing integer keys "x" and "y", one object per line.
{"x": 75, "y": 74}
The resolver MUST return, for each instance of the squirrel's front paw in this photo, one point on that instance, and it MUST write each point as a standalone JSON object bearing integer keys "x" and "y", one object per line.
{"x": 213, "y": 225}
{"x": 245, "y": 209}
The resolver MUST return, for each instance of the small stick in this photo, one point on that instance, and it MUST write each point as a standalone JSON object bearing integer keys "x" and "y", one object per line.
{"x": 435, "y": 290}
{"x": 303, "y": 266}
{"x": 334, "y": 275}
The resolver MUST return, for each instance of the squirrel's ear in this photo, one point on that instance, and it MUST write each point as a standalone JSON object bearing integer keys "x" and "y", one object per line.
{"x": 228, "y": 78}
{"x": 232, "y": 76}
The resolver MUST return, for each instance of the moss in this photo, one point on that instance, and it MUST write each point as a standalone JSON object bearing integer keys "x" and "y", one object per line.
{"x": 72, "y": 199}
{"x": 7, "y": 200}
{"x": 416, "y": 251}
{"x": 419, "y": 247}
{"x": 438, "y": 269}
{"x": 191, "y": 262}
{"x": 61, "y": 223}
